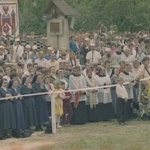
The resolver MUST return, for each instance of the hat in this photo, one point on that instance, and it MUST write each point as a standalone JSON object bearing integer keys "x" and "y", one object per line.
{"x": 107, "y": 49}
{"x": 34, "y": 47}
{"x": 17, "y": 40}
{"x": 28, "y": 46}
{"x": 50, "y": 48}
{"x": 145, "y": 58}
{"x": 87, "y": 39}
{"x": 92, "y": 44}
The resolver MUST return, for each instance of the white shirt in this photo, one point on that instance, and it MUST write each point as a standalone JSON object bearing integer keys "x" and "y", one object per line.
{"x": 135, "y": 71}
{"x": 93, "y": 56}
{"x": 28, "y": 54}
{"x": 41, "y": 62}
{"x": 117, "y": 59}
{"x": 121, "y": 92}
{"x": 57, "y": 54}
{"x": 19, "y": 50}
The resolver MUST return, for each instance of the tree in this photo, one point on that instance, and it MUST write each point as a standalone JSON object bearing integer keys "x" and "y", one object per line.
{"x": 131, "y": 15}
{"x": 30, "y": 15}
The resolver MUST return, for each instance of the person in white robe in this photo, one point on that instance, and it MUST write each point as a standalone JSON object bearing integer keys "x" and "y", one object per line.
{"x": 92, "y": 97}
{"x": 78, "y": 101}
{"x": 104, "y": 95}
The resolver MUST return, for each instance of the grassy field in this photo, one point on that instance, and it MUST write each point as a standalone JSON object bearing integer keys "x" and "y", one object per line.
{"x": 92, "y": 136}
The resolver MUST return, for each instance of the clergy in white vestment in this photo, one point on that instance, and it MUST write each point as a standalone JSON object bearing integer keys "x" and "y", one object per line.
{"x": 104, "y": 96}
{"x": 77, "y": 82}
{"x": 92, "y": 97}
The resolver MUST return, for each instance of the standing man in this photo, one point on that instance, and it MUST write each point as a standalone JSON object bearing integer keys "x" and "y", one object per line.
{"x": 28, "y": 50}
{"x": 12, "y": 57}
{"x": 18, "y": 48}
{"x": 49, "y": 52}
{"x": 52, "y": 62}
{"x": 93, "y": 56}
{"x": 34, "y": 54}
{"x": 107, "y": 57}
{"x": 56, "y": 51}
{"x": 73, "y": 45}
{"x": 85, "y": 48}
{"x": 41, "y": 61}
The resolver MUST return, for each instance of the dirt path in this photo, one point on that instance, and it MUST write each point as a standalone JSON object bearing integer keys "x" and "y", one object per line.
{"x": 37, "y": 141}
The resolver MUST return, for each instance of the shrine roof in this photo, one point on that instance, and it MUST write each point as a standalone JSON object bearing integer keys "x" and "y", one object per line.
{"x": 65, "y": 8}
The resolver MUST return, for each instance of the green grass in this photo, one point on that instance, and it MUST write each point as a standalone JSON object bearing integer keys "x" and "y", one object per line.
{"x": 92, "y": 136}
{"x": 106, "y": 136}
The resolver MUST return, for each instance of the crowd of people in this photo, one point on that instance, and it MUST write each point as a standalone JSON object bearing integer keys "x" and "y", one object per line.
{"x": 94, "y": 60}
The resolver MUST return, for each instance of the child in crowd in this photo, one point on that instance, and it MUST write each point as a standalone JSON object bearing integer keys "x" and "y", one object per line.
{"x": 59, "y": 95}
{"x": 121, "y": 101}
{"x": 68, "y": 112}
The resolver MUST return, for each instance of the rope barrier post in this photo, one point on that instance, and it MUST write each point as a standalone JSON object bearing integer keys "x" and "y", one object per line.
{"x": 53, "y": 114}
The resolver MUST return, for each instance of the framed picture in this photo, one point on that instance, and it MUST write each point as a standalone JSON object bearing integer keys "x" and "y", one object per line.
{"x": 56, "y": 27}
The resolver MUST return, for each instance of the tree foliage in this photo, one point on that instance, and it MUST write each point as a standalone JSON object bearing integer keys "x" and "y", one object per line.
{"x": 131, "y": 15}
{"x": 30, "y": 15}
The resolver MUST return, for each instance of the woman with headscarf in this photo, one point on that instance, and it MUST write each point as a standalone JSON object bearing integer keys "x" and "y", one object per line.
{"x": 7, "y": 114}
{"x": 40, "y": 102}
{"x": 28, "y": 103}
{"x": 104, "y": 95}
{"x": 18, "y": 108}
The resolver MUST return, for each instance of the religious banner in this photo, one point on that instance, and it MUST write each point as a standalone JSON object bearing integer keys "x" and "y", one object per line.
{"x": 9, "y": 21}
